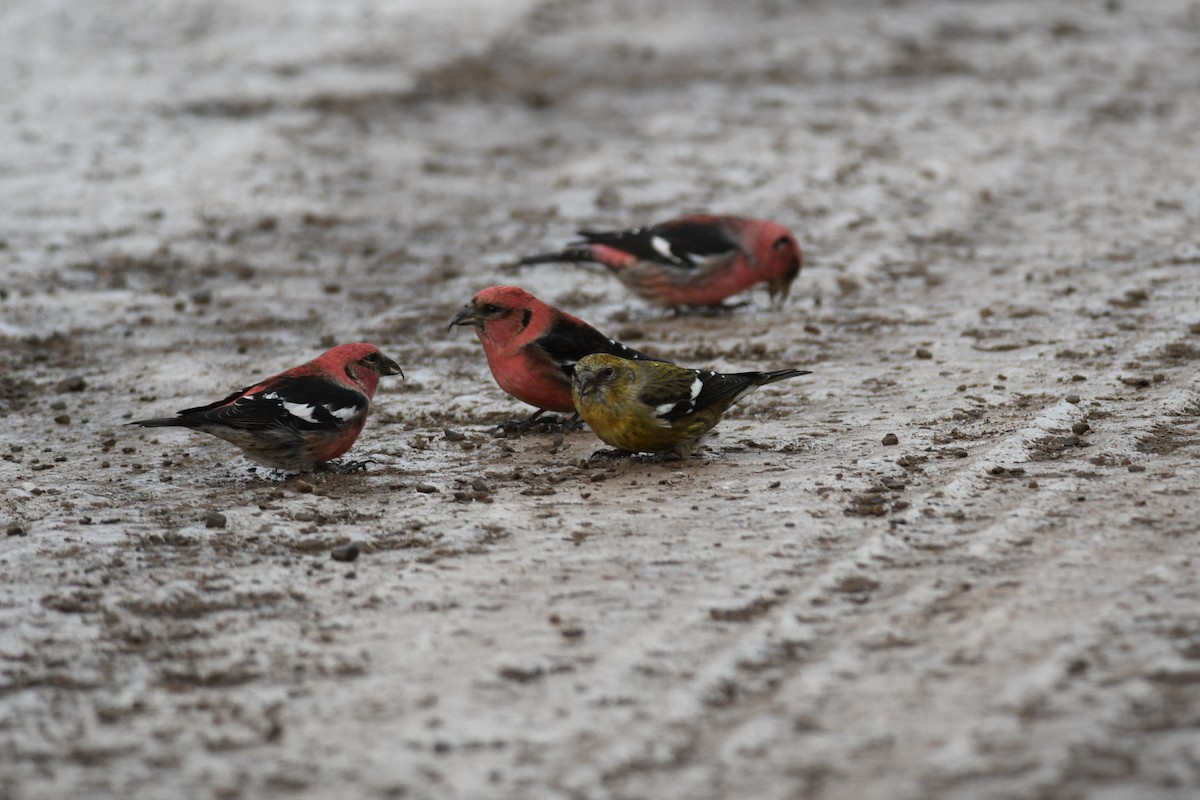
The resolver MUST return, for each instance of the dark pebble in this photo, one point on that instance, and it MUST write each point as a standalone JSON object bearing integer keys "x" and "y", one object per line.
{"x": 1136, "y": 381}
{"x": 453, "y": 436}
{"x": 1080, "y": 428}
{"x": 76, "y": 383}
{"x": 521, "y": 674}
{"x": 15, "y": 530}
{"x": 1136, "y": 468}
{"x": 480, "y": 485}
{"x": 346, "y": 552}
{"x": 1072, "y": 398}
{"x": 425, "y": 488}
{"x": 923, "y": 353}
{"x": 63, "y": 419}
{"x": 891, "y": 439}
{"x": 214, "y": 519}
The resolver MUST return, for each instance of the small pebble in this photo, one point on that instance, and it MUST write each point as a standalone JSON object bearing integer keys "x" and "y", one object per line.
{"x": 1136, "y": 381}
{"x": 214, "y": 519}
{"x": 346, "y": 552}
{"x": 1080, "y": 428}
{"x": 304, "y": 487}
{"x": 890, "y": 439}
{"x": 453, "y": 436}
{"x": 76, "y": 383}
{"x": 1072, "y": 398}
{"x": 15, "y": 530}
{"x": 425, "y": 488}
{"x": 923, "y": 353}
{"x": 63, "y": 419}
{"x": 1136, "y": 468}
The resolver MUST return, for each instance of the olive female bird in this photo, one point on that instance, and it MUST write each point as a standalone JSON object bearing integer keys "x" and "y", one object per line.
{"x": 651, "y": 406}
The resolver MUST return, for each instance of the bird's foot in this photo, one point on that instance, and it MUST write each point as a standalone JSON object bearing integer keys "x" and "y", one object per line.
{"x": 610, "y": 455}
{"x": 717, "y": 310}
{"x": 536, "y": 422}
{"x": 344, "y": 467}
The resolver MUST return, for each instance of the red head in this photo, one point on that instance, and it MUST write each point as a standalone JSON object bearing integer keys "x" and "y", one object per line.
{"x": 778, "y": 256}
{"x": 362, "y": 364}
{"x": 505, "y": 317}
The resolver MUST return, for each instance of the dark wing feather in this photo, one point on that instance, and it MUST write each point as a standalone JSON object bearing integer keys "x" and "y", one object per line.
{"x": 566, "y": 342}
{"x": 304, "y": 403}
{"x": 715, "y": 389}
{"x": 681, "y": 395}
{"x": 686, "y": 242}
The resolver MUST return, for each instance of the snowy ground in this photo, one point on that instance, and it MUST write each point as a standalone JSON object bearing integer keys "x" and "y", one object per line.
{"x": 999, "y": 204}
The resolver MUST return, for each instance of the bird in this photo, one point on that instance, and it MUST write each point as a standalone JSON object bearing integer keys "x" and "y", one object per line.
{"x": 692, "y": 261}
{"x": 532, "y": 347}
{"x": 298, "y": 420}
{"x": 657, "y": 407}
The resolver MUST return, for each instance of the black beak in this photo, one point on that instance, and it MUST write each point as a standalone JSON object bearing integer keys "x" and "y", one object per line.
{"x": 389, "y": 367}
{"x": 466, "y": 316}
{"x": 585, "y": 381}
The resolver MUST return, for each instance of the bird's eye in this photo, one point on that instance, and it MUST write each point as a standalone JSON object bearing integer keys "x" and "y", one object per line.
{"x": 372, "y": 359}
{"x": 781, "y": 242}
{"x": 491, "y": 308}
{"x": 607, "y": 373}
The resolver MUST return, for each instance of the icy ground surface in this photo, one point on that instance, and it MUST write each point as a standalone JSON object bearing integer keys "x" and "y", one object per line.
{"x": 1000, "y": 207}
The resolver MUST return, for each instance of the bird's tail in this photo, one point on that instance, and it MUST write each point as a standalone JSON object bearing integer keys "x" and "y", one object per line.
{"x": 164, "y": 422}
{"x": 572, "y": 255}
{"x": 781, "y": 375}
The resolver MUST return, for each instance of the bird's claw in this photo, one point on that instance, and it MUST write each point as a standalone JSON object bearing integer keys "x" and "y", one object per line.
{"x": 550, "y": 424}
{"x": 717, "y": 310}
{"x": 346, "y": 467}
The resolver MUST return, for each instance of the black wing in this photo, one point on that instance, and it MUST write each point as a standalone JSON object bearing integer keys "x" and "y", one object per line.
{"x": 567, "y": 342}
{"x": 681, "y": 243}
{"x": 303, "y": 403}
{"x": 689, "y": 391}
{"x": 685, "y": 394}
